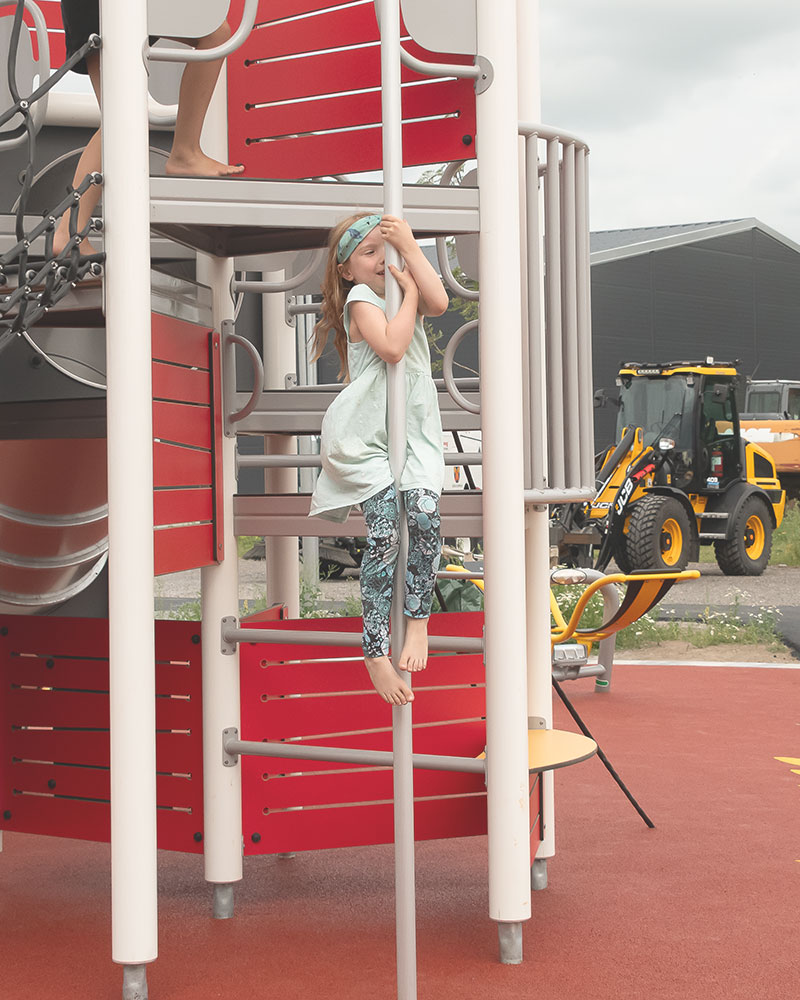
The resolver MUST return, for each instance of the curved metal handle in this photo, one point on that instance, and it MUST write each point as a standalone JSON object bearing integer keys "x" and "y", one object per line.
{"x": 39, "y": 109}
{"x": 447, "y": 367}
{"x": 472, "y": 71}
{"x": 450, "y": 279}
{"x": 288, "y": 285}
{"x": 258, "y": 376}
{"x": 218, "y": 51}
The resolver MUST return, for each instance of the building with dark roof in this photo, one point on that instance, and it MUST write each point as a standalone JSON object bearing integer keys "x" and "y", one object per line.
{"x": 730, "y": 290}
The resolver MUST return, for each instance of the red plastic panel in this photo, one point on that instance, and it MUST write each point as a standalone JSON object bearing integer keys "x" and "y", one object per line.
{"x": 183, "y": 384}
{"x": 181, "y": 506}
{"x": 184, "y": 547}
{"x": 176, "y": 466}
{"x": 291, "y": 692}
{"x": 181, "y": 423}
{"x": 292, "y": 106}
{"x": 54, "y": 729}
{"x": 180, "y": 342}
{"x": 217, "y": 430}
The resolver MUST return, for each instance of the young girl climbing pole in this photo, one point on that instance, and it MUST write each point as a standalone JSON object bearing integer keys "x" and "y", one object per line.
{"x": 355, "y": 440}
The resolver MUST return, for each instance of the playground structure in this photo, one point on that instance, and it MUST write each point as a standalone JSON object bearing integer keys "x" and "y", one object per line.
{"x": 535, "y": 421}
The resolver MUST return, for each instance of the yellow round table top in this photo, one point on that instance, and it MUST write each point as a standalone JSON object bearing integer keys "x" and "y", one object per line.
{"x": 552, "y": 748}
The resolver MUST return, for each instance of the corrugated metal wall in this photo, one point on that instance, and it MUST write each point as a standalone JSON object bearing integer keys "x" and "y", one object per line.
{"x": 734, "y": 296}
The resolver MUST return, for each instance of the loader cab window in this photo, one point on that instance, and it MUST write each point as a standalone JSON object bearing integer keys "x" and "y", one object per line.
{"x": 719, "y": 436}
{"x": 793, "y": 404}
{"x": 663, "y": 408}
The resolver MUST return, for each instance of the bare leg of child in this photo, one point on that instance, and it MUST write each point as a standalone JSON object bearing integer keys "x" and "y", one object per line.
{"x": 186, "y": 157}
{"x": 386, "y": 682}
{"x": 89, "y": 163}
{"x": 415, "y": 647}
{"x": 197, "y": 87}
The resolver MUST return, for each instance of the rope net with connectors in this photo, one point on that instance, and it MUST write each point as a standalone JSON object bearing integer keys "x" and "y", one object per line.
{"x": 36, "y": 283}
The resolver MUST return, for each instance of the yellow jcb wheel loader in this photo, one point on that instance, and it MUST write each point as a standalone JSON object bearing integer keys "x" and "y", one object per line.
{"x": 680, "y": 476}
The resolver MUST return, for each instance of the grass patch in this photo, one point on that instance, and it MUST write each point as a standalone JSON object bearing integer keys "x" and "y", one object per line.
{"x": 713, "y": 628}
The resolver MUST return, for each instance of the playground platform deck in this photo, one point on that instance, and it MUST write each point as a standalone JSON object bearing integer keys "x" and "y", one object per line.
{"x": 703, "y": 906}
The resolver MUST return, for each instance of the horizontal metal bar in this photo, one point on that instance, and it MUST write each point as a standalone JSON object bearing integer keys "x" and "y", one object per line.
{"x": 343, "y": 755}
{"x": 550, "y": 132}
{"x": 286, "y": 515}
{"x": 449, "y": 643}
{"x": 315, "y": 461}
{"x": 563, "y": 495}
{"x": 218, "y": 51}
{"x": 445, "y": 574}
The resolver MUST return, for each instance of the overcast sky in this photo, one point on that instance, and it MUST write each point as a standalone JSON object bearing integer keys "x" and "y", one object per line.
{"x": 691, "y": 108}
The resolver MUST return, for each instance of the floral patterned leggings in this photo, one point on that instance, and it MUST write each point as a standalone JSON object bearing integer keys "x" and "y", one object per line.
{"x": 382, "y": 515}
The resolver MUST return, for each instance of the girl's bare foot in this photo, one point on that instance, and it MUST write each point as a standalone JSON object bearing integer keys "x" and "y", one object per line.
{"x": 386, "y": 682}
{"x": 199, "y": 165}
{"x": 415, "y": 647}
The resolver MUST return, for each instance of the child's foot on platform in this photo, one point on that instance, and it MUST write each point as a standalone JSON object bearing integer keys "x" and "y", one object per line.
{"x": 415, "y": 647}
{"x": 199, "y": 165}
{"x": 386, "y": 682}
{"x": 61, "y": 239}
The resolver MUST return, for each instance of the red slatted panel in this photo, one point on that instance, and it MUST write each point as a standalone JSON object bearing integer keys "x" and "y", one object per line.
{"x": 180, "y": 342}
{"x": 304, "y": 805}
{"x": 296, "y": 75}
{"x": 187, "y": 428}
{"x": 182, "y": 424}
{"x": 217, "y": 430}
{"x": 180, "y": 548}
{"x": 175, "y": 466}
{"x": 172, "y": 382}
{"x": 54, "y": 676}
{"x": 181, "y": 506}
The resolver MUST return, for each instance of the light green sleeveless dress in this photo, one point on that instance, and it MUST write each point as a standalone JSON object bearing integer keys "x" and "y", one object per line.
{"x": 355, "y": 439}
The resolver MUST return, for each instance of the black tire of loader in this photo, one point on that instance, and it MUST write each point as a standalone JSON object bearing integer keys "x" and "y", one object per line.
{"x": 643, "y": 540}
{"x": 732, "y": 557}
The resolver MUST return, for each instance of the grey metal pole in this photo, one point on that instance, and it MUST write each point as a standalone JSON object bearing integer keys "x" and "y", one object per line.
{"x": 405, "y": 900}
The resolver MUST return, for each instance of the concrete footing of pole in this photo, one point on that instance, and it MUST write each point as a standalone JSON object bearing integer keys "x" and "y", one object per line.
{"x": 539, "y": 874}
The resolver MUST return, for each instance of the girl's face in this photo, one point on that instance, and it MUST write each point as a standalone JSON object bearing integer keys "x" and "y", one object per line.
{"x": 366, "y": 265}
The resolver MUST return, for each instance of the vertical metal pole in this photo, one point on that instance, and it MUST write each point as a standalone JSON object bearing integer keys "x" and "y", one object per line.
{"x": 503, "y": 514}
{"x": 555, "y": 362}
{"x": 405, "y": 899}
{"x": 306, "y": 375}
{"x": 569, "y": 327}
{"x": 222, "y": 791}
{"x": 537, "y": 529}
{"x": 281, "y": 560}
{"x": 126, "y": 199}
{"x": 585, "y": 375}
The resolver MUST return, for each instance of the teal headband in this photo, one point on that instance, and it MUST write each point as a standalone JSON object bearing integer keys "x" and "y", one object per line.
{"x": 354, "y": 235}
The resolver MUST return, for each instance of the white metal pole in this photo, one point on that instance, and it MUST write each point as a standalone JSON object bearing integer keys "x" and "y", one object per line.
{"x": 126, "y": 200}
{"x": 405, "y": 898}
{"x": 222, "y": 791}
{"x": 307, "y": 375}
{"x": 537, "y": 532}
{"x": 281, "y": 557}
{"x": 503, "y": 514}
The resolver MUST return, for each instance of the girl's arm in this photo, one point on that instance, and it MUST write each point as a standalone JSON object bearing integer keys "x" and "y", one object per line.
{"x": 433, "y": 300}
{"x": 388, "y": 338}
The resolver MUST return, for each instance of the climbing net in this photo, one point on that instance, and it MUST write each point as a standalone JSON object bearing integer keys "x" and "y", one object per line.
{"x": 36, "y": 283}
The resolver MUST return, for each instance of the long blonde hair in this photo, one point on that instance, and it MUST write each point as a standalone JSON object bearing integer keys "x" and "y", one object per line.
{"x": 334, "y": 294}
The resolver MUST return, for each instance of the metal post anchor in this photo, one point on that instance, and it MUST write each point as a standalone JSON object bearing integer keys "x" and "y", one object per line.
{"x": 510, "y": 939}
{"x": 134, "y": 982}
{"x": 223, "y": 901}
{"x": 539, "y": 874}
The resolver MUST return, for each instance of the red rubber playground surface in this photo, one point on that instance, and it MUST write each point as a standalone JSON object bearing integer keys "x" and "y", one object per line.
{"x": 704, "y": 906}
